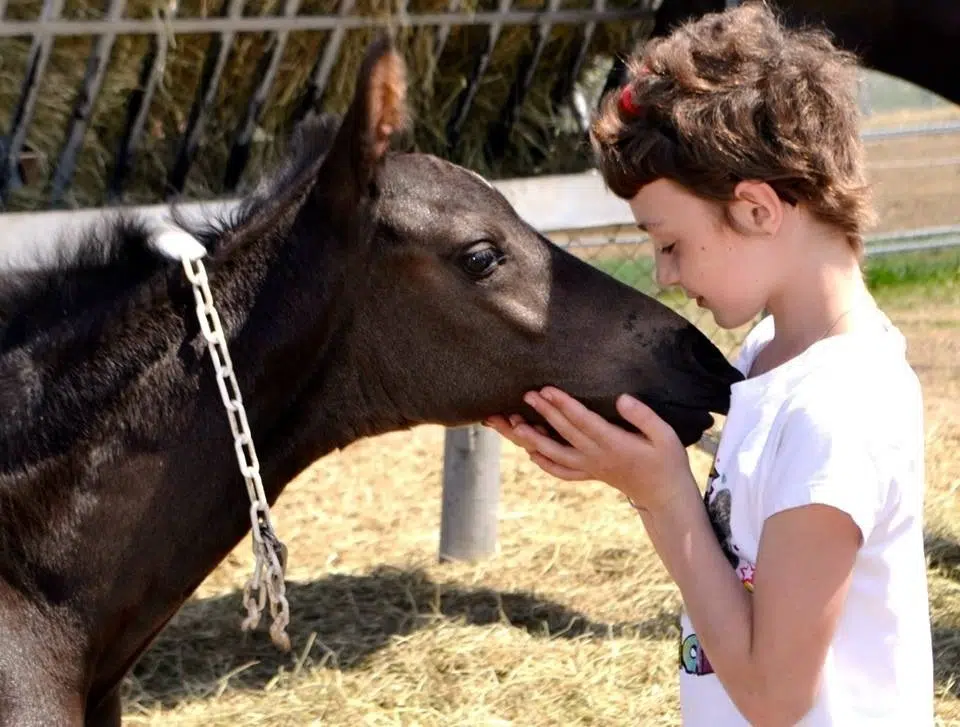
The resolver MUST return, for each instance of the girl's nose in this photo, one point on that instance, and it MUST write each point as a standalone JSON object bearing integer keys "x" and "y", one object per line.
{"x": 666, "y": 274}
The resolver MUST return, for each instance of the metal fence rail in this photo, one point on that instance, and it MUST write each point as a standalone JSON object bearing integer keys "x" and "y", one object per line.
{"x": 923, "y": 238}
{"x": 942, "y": 127}
{"x": 236, "y": 24}
{"x": 926, "y": 238}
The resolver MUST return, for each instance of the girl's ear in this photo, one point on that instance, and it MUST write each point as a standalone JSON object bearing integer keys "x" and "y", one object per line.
{"x": 756, "y": 209}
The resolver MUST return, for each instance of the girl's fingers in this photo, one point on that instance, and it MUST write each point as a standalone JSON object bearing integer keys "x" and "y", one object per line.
{"x": 534, "y": 439}
{"x": 516, "y": 420}
{"x": 558, "y": 470}
{"x": 644, "y": 418}
{"x": 497, "y": 422}
{"x": 590, "y": 424}
{"x": 560, "y": 453}
{"x": 505, "y": 430}
{"x": 555, "y": 412}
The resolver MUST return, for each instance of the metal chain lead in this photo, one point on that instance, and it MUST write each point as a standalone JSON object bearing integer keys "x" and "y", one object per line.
{"x": 270, "y": 553}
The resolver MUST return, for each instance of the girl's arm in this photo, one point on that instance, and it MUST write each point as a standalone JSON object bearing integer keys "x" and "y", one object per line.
{"x": 768, "y": 648}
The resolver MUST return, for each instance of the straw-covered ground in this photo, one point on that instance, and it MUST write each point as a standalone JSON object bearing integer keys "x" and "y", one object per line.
{"x": 573, "y": 622}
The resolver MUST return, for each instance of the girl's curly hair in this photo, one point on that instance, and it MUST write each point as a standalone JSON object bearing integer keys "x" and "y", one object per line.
{"x": 738, "y": 96}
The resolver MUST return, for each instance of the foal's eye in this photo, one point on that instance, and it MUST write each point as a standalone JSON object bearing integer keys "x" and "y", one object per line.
{"x": 480, "y": 260}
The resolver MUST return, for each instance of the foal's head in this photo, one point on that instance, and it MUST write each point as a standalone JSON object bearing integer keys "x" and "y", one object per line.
{"x": 457, "y": 306}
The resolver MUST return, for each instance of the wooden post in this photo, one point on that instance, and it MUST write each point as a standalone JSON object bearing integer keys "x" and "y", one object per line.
{"x": 471, "y": 493}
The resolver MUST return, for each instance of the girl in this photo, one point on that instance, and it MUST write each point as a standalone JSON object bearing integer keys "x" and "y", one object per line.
{"x": 801, "y": 569}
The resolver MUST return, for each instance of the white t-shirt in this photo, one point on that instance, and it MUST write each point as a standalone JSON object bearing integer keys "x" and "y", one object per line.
{"x": 840, "y": 424}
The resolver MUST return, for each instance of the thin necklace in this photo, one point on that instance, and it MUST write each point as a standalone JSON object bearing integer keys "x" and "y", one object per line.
{"x": 822, "y": 335}
{"x": 838, "y": 319}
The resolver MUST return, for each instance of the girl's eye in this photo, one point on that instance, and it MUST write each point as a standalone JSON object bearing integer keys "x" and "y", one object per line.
{"x": 667, "y": 249}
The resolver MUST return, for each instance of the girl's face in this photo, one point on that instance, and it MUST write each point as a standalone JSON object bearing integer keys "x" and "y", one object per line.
{"x": 729, "y": 273}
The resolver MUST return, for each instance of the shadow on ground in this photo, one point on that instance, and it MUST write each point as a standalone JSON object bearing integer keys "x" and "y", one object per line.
{"x": 943, "y": 553}
{"x": 946, "y": 658}
{"x": 943, "y": 556}
{"x": 353, "y": 616}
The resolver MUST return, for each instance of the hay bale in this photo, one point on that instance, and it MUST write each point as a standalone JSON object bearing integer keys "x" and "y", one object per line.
{"x": 542, "y": 141}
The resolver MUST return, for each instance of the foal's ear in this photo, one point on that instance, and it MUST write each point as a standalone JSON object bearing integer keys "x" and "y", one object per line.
{"x": 377, "y": 111}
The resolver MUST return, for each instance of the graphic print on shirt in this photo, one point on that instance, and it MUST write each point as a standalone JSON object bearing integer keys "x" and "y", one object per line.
{"x": 718, "y": 509}
{"x": 718, "y": 501}
{"x": 693, "y": 660}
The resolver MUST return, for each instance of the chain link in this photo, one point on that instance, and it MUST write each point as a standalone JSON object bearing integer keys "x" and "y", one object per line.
{"x": 270, "y": 553}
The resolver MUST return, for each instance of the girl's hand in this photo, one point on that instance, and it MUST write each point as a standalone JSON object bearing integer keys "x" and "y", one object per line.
{"x": 650, "y": 468}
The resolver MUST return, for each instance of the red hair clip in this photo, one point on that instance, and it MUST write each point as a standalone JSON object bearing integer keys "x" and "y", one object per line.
{"x": 628, "y": 105}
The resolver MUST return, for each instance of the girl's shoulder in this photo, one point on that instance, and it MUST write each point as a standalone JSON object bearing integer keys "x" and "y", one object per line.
{"x": 854, "y": 379}
{"x": 861, "y": 383}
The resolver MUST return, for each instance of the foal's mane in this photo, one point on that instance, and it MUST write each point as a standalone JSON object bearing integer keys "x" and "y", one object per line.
{"x": 113, "y": 258}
